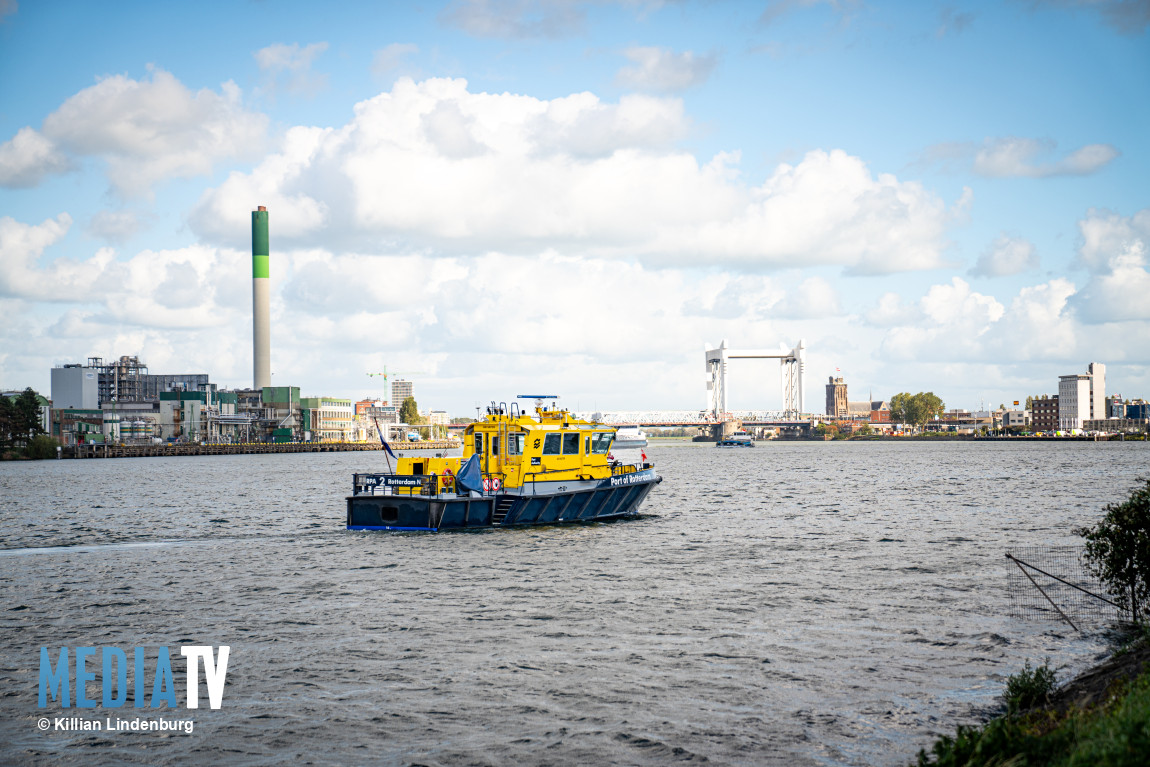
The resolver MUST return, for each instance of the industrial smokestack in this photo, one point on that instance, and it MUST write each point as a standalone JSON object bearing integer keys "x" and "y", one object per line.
{"x": 261, "y": 300}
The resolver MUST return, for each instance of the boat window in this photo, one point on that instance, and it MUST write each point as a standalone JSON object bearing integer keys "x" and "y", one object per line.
{"x": 602, "y": 442}
{"x": 551, "y": 443}
{"x": 571, "y": 444}
{"x": 515, "y": 443}
{"x": 495, "y": 444}
{"x": 587, "y": 445}
{"x": 478, "y": 443}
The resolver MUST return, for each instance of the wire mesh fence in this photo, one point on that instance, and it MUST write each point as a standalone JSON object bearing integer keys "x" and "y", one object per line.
{"x": 1052, "y": 583}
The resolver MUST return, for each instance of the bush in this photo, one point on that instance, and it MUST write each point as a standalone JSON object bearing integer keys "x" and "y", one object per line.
{"x": 1114, "y": 733}
{"x": 41, "y": 447}
{"x": 1118, "y": 550}
{"x": 1029, "y": 687}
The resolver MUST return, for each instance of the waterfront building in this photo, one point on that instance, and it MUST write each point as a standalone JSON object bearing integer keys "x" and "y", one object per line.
{"x": 1082, "y": 397}
{"x": 401, "y": 390}
{"x": 328, "y": 419}
{"x": 77, "y": 426}
{"x": 75, "y": 387}
{"x": 1044, "y": 413}
{"x": 123, "y": 380}
{"x": 1116, "y": 425}
{"x": 836, "y": 397}
{"x": 436, "y": 417}
{"x": 1017, "y": 419}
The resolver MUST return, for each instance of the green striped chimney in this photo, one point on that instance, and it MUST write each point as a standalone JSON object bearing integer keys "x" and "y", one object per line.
{"x": 261, "y": 300}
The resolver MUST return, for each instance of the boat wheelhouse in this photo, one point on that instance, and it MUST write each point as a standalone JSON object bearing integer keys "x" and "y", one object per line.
{"x": 516, "y": 469}
{"x": 738, "y": 438}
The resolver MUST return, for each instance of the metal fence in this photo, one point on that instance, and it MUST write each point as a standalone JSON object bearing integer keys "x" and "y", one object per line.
{"x": 1052, "y": 583}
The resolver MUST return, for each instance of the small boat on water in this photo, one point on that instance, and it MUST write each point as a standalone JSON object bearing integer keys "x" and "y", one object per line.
{"x": 630, "y": 437}
{"x": 738, "y": 438}
{"x": 516, "y": 469}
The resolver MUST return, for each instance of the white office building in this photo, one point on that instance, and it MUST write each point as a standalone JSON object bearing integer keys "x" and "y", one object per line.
{"x": 1082, "y": 397}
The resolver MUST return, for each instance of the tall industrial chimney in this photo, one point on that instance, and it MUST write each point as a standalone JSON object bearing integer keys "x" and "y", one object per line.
{"x": 261, "y": 299}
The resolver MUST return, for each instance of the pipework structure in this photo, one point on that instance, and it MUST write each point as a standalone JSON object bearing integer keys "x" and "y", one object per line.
{"x": 261, "y": 301}
{"x": 793, "y": 368}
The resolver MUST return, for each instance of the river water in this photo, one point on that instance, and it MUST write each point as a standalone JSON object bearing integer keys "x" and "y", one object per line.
{"x": 798, "y": 603}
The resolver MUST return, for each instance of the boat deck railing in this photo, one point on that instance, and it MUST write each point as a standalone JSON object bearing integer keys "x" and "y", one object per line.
{"x": 435, "y": 484}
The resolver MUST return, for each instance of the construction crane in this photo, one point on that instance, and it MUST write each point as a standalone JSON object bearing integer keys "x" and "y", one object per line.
{"x": 387, "y": 373}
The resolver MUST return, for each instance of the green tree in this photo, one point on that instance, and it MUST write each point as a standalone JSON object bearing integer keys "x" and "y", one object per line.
{"x": 930, "y": 406}
{"x": 28, "y": 414}
{"x": 8, "y": 419}
{"x": 20, "y": 418}
{"x": 409, "y": 412}
{"x": 1118, "y": 550}
{"x": 827, "y": 430}
{"x": 915, "y": 409}
{"x": 900, "y": 405}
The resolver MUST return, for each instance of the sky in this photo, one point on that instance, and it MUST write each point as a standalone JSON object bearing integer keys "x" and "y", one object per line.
{"x": 498, "y": 197}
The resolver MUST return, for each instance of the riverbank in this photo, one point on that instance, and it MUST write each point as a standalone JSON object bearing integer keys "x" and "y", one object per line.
{"x": 1102, "y": 716}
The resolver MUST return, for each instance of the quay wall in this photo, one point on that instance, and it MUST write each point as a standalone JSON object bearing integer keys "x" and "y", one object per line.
{"x": 143, "y": 451}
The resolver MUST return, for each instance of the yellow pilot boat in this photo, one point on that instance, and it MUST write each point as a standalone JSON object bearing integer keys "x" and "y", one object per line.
{"x": 517, "y": 468}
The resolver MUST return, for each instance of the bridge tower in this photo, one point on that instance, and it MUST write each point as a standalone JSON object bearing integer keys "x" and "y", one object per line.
{"x": 794, "y": 368}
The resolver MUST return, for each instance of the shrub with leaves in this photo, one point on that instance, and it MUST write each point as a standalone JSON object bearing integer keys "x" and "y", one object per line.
{"x": 1118, "y": 551}
{"x": 41, "y": 447}
{"x": 1029, "y": 687}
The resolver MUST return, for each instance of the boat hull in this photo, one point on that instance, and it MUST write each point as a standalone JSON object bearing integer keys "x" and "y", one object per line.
{"x": 611, "y": 498}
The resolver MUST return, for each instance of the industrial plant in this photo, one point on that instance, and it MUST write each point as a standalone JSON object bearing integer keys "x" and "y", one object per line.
{"x": 119, "y": 401}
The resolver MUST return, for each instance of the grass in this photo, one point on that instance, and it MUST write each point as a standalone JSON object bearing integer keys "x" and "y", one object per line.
{"x": 1114, "y": 733}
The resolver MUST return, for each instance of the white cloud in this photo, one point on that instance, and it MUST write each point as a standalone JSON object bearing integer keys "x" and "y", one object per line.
{"x": 813, "y": 297}
{"x": 292, "y": 63}
{"x": 431, "y": 164}
{"x": 663, "y": 70}
{"x": 515, "y": 18}
{"x": 114, "y": 226}
{"x": 28, "y": 157}
{"x": 171, "y": 288}
{"x": 1007, "y": 255}
{"x": 1114, "y": 249}
{"x": 390, "y": 58}
{"x": 1017, "y": 157}
{"x": 891, "y": 312}
{"x": 21, "y": 246}
{"x": 1106, "y": 235}
{"x": 150, "y": 130}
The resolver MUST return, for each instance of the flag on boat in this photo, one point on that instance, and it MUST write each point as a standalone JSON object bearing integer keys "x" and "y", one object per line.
{"x": 469, "y": 476}
{"x": 383, "y": 441}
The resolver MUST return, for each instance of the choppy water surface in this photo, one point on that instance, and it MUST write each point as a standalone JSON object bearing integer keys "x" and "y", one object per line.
{"x": 796, "y": 603}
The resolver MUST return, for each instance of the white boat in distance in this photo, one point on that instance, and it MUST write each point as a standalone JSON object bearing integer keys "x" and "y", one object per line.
{"x": 629, "y": 437}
